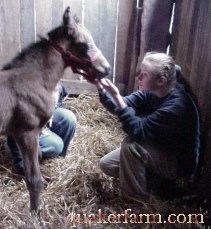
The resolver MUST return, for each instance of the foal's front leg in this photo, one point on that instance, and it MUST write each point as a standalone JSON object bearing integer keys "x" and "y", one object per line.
{"x": 28, "y": 143}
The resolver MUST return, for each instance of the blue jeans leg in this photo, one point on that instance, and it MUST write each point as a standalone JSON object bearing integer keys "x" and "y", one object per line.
{"x": 51, "y": 144}
{"x": 64, "y": 125}
{"x": 14, "y": 151}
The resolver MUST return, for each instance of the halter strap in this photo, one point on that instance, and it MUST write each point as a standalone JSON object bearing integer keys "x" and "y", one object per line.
{"x": 75, "y": 62}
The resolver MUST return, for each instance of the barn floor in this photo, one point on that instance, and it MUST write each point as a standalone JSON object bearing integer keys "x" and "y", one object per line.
{"x": 76, "y": 184}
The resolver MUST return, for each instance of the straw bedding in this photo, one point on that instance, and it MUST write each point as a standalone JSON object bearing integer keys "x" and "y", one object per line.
{"x": 75, "y": 183}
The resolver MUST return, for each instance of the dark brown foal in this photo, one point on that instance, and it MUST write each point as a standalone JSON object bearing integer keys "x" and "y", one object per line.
{"x": 27, "y": 84}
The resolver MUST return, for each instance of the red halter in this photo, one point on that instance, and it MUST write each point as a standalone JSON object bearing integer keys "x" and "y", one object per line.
{"x": 75, "y": 62}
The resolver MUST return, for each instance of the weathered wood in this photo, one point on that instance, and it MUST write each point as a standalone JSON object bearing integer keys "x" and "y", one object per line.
{"x": 124, "y": 41}
{"x": 57, "y": 12}
{"x": 155, "y": 26}
{"x": 100, "y": 19}
{"x": 185, "y": 31}
{"x": 202, "y": 60}
{"x": 1, "y": 32}
{"x": 76, "y": 87}
{"x": 10, "y": 20}
{"x": 192, "y": 49}
{"x": 27, "y": 22}
{"x": 43, "y": 16}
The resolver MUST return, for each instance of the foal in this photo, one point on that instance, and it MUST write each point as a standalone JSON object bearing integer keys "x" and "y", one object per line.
{"x": 27, "y": 84}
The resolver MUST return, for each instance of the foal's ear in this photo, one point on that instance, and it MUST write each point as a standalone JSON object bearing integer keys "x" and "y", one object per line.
{"x": 68, "y": 18}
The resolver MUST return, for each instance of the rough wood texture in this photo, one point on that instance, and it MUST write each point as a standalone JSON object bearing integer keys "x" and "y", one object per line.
{"x": 76, "y": 87}
{"x": 10, "y": 29}
{"x": 155, "y": 26}
{"x": 125, "y": 41}
{"x": 57, "y": 11}
{"x": 27, "y": 22}
{"x": 192, "y": 49}
{"x": 43, "y": 10}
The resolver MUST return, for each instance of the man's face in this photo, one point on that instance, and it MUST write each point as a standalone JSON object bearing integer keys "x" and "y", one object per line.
{"x": 147, "y": 81}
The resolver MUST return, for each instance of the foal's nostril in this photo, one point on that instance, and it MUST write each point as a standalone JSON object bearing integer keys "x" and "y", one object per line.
{"x": 108, "y": 71}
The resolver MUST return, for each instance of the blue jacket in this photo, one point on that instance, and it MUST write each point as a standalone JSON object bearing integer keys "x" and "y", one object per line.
{"x": 171, "y": 122}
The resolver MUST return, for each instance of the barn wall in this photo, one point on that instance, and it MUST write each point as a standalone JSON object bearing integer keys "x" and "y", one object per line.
{"x": 125, "y": 39}
{"x": 191, "y": 48}
{"x": 10, "y": 36}
{"x": 155, "y": 18}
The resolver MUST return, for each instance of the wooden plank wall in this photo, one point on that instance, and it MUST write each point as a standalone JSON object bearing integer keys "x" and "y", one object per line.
{"x": 124, "y": 42}
{"x": 10, "y": 29}
{"x": 191, "y": 48}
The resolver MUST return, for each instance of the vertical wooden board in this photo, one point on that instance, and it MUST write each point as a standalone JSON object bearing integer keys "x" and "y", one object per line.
{"x": 101, "y": 19}
{"x": 11, "y": 29}
{"x": 185, "y": 36}
{"x": 27, "y": 22}
{"x": 201, "y": 54}
{"x": 76, "y": 7}
{"x": 57, "y": 13}
{"x": 125, "y": 15}
{"x": 155, "y": 26}
{"x": 1, "y": 32}
{"x": 176, "y": 28}
{"x": 193, "y": 29}
{"x": 193, "y": 52}
{"x": 43, "y": 16}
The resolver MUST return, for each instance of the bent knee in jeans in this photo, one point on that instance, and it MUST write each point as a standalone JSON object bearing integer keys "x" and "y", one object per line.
{"x": 51, "y": 145}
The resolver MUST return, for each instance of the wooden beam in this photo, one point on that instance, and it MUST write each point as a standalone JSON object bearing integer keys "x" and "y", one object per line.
{"x": 76, "y": 87}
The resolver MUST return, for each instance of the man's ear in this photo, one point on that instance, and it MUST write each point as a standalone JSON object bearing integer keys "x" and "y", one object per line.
{"x": 162, "y": 81}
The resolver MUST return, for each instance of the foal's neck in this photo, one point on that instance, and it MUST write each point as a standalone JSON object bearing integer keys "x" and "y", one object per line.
{"x": 56, "y": 65}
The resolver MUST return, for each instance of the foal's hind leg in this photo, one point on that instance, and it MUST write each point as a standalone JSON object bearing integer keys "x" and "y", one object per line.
{"x": 28, "y": 143}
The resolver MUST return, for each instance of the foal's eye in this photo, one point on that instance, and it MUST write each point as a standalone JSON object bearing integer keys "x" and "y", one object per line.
{"x": 82, "y": 49}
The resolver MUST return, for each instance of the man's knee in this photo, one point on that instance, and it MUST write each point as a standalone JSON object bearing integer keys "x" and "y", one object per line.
{"x": 131, "y": 149}
{"x": 66, "y": 116}
{"x": 108, "y": 167}
{"x": 70, "y": 119}
{"x": 126, "y": 147}
{"x": 58, "y": 147}
{"x": 53, "y": 147}
{"x": 104, "y": 165}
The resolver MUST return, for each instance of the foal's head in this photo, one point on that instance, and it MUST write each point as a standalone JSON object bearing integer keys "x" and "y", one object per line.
{"x": 81, "y": 53}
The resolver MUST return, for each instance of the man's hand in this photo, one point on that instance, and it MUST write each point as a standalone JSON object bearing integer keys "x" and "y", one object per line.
{"x": 106, "y": 85}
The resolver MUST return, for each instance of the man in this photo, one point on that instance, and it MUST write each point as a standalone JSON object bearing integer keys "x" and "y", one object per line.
{"x": 162, "y": 123}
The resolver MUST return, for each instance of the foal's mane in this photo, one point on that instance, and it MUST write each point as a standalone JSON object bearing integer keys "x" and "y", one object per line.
{"x": 40, "y": 45}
